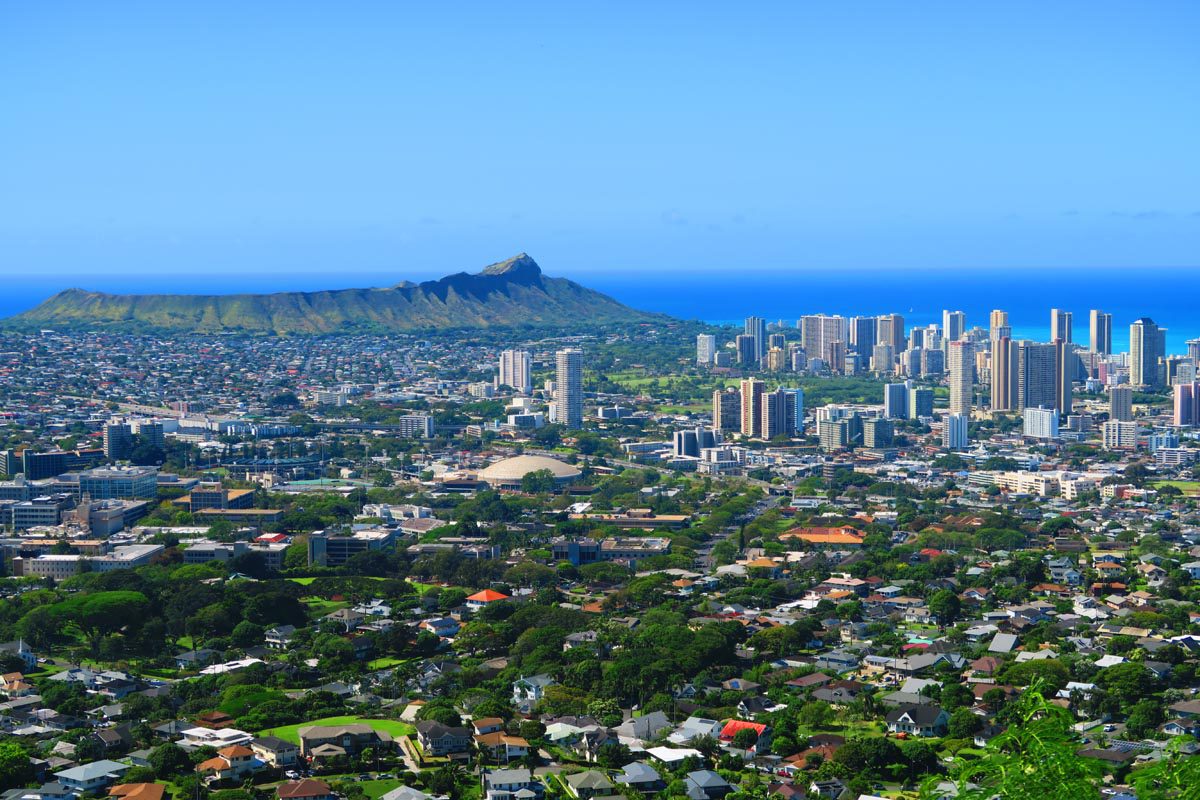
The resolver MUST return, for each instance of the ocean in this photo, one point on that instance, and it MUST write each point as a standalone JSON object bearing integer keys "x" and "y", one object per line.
{"x": 1171, "y": 297}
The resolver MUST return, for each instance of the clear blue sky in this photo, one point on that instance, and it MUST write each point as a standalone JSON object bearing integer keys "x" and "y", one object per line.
{"x": 419, "y": 138}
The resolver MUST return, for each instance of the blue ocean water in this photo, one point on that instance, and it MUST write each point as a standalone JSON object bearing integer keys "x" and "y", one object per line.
{"x": 1171, "y": 297}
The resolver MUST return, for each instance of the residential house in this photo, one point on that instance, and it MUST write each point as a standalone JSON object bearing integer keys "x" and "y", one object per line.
{"x": 280, "y": 637}
{"x": 642, "y": 777}
{"x": 307, "y": 789}
{"x": 922, "y": 720}
{"x": 331, "y": 741}
{"x": 274, "y": 751}
{"x": 694, "y": 727}
{"x": 704, "y": 784}
{"x": 589, "y": 784}
{"x": 134, "y": 791}
{"x": 501, "y": 746}
{"x": 528, "y": 691}
{"x": 735, "y": 726}
{"x": 229, "y": 764}
{"x": 91, "y": 777}
{"x": 511, "y": 784}
{"x": 439, "y": 740}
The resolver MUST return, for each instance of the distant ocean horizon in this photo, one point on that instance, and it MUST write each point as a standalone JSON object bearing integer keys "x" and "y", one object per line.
{"x": 1171, "y": 297}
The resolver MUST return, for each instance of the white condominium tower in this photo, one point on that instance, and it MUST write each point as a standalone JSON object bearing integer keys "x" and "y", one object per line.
{"x": 568, "y": 388}
{"x": 515, "y": 370}
{"x": 962, "y": 377}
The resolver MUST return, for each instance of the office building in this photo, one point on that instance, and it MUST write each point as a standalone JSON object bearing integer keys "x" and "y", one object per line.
{"x": 962, "y": 376}
{"x": 516, "y": 370}
{"x": 1147, "y": 345}
{"x": 691, "y": 442}
{"x": 1119, "y": 435}
{"x": 954, "y": 325}
{"x": 1041, "y": 423}
{"x": 864, "y": 333}
{"x": 756, "y": 327}
{"x": 895, "y": 400}
{"x": 727, "y": 411}
{"x": 1060, "y": 325}
{"x": 891, "y": 331}
{"x": 1120, "y": 403}
{"x": 920, "y": 402}
{"x": 1036, "y": 377}
{"x": 118, "y": 440}
{"x": 334, "y": 550}
{"x": 150, "y": 431}
{"x": 747, "y": 349}
{"x": 998, "y": 325}
{"x": 837, "y": 434}
{"x": 955, "y": 436}
{"x": 752, "y": 391}
{"x": 568, "y": 387}
{"x": 1187, "y": 404}
{"x": 119, "y": 483}
{"x": 1193, "y": 352}
{"x": 1100, "y": 325}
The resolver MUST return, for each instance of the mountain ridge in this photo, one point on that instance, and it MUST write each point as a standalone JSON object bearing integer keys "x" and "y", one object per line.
{"x": 509, "y": 293}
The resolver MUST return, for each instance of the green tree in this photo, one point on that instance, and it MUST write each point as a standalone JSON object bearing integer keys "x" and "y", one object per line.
{"x": 15, "y": 768}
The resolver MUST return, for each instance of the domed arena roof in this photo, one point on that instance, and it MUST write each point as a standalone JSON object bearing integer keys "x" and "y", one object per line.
{"x": 513, "y": 469}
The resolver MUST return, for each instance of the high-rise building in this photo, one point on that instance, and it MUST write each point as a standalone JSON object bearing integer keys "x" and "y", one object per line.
{"x": 1193, "y": 351}
{"x": 706, "y": 348}
{"x": 796, "y": 407}
{"x": 1004, "y": 389}
{"x": 568, "y": 387}
{"x": 883, "y": 358}
{"x": 690, "y": 442}
{"x": 891, "y": 331}
{"x": 747, "y": 349}
{"x": 863, "y": 334}
{"x": 1041, "y": 423}
{"x": 1187, "y": 404}
{"x": 1120, "y": 403}
{"x": 998, "y": 324}
{"x": 817, "y": 330}
{"x": 151, "y": 431}
{"x": 933, "y": 362}
{"x": 776, "y": 359}
{"x": 835, "y": 355}
{"x": 878, "y": 433}
{"x": 727, "y": 411}
{"x": 752, "y": 391}
{"x": 776, "y": 340}
{"x": 118, "y": 440}
{"x": 1066, "y": 368}
{"x": 920, "y": 402}
{"x": 1100, "y": 325}
{"x": 962, "y": 376}
{"x": 1147, "y": 344}
{"x": 1060, "y": 325}
{"x": 757, "y": 327}
{"x": 1119, "y": 435}
{"x": 955, "y": 436}
{"x": 516, "y": 370}
{"x": 954, "y": 325}
{"x": 895, "y": 400}
{"x": 778, "y": 414}
{"x": 1036, "y": 377}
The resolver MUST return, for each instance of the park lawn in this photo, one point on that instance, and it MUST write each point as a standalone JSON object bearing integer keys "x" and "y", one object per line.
{"x": 291, "y": 732}
{"x": 302, "y": 581}
{"x": 384, "y": 663}
{"x": 319, "y": 607}
{"x": 1187, "y": 487}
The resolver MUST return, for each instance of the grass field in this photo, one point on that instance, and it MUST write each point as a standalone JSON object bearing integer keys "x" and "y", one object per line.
{"x": 1190, "y": 488}
{"x": 319, "y": 607}
{"x": 291, "y": 732}
{"x": 384, "y": 663}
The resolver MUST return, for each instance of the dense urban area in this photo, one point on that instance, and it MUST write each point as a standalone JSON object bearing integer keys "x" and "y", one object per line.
{"x": 842, "y": 558}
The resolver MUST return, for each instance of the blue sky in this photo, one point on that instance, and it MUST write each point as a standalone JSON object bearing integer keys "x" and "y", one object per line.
{"x": 412, "y": 139}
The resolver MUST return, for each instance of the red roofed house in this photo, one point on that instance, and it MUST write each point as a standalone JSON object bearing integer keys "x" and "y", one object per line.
{"x": 307, "y": 789}
{"x": 735, "y": 726}
{"x": 230, "y": 763}
{"x": 481, "y": 599}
